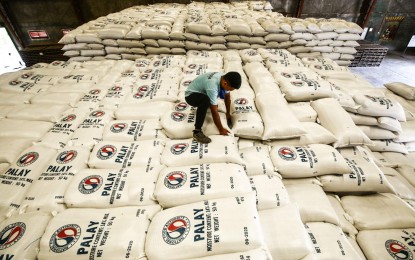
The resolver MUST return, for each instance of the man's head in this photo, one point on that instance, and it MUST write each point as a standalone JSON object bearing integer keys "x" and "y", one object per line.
{"x": 231, "y": 81}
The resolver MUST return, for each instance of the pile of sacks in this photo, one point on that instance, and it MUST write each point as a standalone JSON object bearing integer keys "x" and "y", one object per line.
{"x": 175, "y": 29}
{"x": 97, "y": 161}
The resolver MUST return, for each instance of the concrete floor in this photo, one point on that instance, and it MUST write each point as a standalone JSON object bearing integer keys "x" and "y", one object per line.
{"x": 394, "y": 68}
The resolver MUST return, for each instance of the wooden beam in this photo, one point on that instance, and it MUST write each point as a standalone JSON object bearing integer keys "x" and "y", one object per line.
{"x": 299, "y": 8}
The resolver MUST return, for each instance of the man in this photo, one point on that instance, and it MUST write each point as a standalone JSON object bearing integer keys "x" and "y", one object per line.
{"x": 203, "y": 93}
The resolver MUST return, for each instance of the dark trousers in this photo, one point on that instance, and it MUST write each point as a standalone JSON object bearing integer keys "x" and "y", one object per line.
{"x": 202, "y": 102}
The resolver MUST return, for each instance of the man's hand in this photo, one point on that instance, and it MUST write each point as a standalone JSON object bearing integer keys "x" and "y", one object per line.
{"x": 223, "y": 131}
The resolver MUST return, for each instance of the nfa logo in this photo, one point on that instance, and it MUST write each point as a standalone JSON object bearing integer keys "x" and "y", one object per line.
{"x": 66, "y": 156}
{"x": 57, "y": 63}
{"x": 176, "y": 230}
{"x": 97, "y": 113}
{"x": 26, "y": 75}
{"x": 175, "y": 180}
{"x": 116, "y": 88}
{"x": 252, "y": 53}
{"x": 241, "y": 101}
{"x": 192, "y": 66}
{"x": 27, "y": 159}
{"x": 138, "y": 95}
{"x": 156, "y": 63}
{"x": 118, "y": 127}
{"x": 95, "y": 91}
{"x": 90, "y": 184}
{"x": 373, "y": 99}
{"x": 287, "y": 153}
{"x": 297, "y": 83}
{"x": 11, "y": 234}
{"x": 14, "y": 82}
{"x": 286, "y": 75}
{"x": 178, "y": 148}
{"x": 69, "y": 118}
{"x": 144, "y": 76}
{"x": 397, "y": 250}
{"x": 64, "y": 238}
{"x": 181, "y": 106}
{"x": 106, "y": 152}
{"x": 177, "y": 116}
{"x": 143, "y": 88}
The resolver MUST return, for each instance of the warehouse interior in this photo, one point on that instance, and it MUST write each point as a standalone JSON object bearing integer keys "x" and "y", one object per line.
{"x": 309, "y": 142}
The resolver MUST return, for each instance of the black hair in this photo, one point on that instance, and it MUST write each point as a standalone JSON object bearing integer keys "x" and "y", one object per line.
{"x": 234, "y": 79}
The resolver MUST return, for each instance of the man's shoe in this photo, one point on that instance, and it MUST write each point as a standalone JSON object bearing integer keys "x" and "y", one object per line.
{"x": 201, "y": 137}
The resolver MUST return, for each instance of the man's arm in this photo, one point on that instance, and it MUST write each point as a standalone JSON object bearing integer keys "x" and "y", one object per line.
{"x": 216, "y": 120}
{"x": 228, "y": 105}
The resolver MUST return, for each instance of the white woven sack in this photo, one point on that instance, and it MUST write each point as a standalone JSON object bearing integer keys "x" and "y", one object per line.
{"x": 4, "y": 110}
{"x": 387, "y": 243}
{"x": 316, "y": 134}
{"x": 365, "y": 177}
{"x": 311, "y": 180}
{"x": 11, "y": 99}
{"x": 379, "y": 211}
{"x": 112, "y": 33}
{"x": 17, "y": 86}
{"x": 36, "y": 112}
{"x": 23, "y": 129}
{"x": 60, "y": 133}
{"x": 408, "y": 173}
{"x": 116, "y": 155}
{"x": 17, "y": 179}
{"x": 376, "y": 133}
{"x": 279, "y": 121}
{"x": 189, "y": 231}
{"x": 348, "y": 37}
{"x": 10, "y": 148}
{"x": 408, "y": 132}
{"x": 388, "y": 146}
{"x": 65, "y": 87}
{"x": 250, "y": 55}
{"x": 306, "y": 90}
{"x": 303, "y": 111}
{"x": 179, "y": 125}
{"x": 257, "y": 160}
{"x": 409, "y": 109}
{"x": 109, "y": 188}
{"x": 270, "y": 191}
{"x": 47, "y": 192}
{"x": 326, "y": 35}
{"x": 260, "y": 253}
{"x": 346, "y": 221}
{"x": 115, "y": 96}
{"x": 276, "y": 232}
{"x": 167, "y": 61}
{"x": 389, "y": 123}
{"x": 247, "y": 143}
{"x": 119, "y": 233}
{"x": 308, "y": 161}
{"x": 79, "y": 78}
{"x": 150, "y": 110}
{"x": 246, "y": 121}
{"x": 188, "y": 184}
{"x": 91, "y": 99}
{"x": 401, "y": 89}
{"x": 222, "y": 149}
{"x": 329, "y": 242}
{"x": 363, "y": 120}
{"x": 199, "y": 27}
{"x": 21, "y": 235}
{"x": 379, "y": 106}
{"x": 335, "y": 119}
{"x": 90, "y": 130}
{"x": 403, "y": 189}
{"x": 295, "y": 73}
{"x": 313, "y": 203}
{"x": 238, "y": 27}
{"x": 32, "y": 77}
{"x": 133, "y": 130}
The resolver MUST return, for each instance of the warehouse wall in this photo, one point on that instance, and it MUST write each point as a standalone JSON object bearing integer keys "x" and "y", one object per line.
{"x": 55, "y": 15}
{"x": 392, "y": 8}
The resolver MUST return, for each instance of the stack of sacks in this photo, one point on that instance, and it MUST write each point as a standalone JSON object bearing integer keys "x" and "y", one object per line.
{"x": 109, "y": 151}
{"x": 177, "y": 28}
